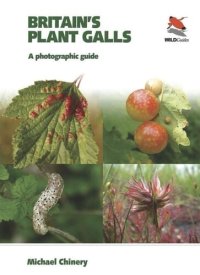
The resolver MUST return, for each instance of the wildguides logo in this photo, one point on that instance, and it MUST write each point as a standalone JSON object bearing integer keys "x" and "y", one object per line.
{"x": 176, "y": 27}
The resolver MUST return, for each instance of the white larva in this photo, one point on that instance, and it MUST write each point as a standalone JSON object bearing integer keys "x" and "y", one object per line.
{"x": 48, "y": 199}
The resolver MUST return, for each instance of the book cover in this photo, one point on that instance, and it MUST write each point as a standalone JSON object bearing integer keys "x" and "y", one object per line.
{"x": 99, "y": 133}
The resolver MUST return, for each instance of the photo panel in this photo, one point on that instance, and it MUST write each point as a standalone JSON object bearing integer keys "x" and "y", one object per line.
{"x": 52, "y": 204}
{"x": 148, "y": 203}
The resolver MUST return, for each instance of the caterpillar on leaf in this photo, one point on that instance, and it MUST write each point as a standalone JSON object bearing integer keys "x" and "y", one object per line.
{"x": 48, "y": 199}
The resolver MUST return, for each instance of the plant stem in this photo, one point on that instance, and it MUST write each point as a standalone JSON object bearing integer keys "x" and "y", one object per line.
{"x": 139, "y": 172}
{"x": 115, "y": 219}
{"x": 107, "y": 175}
{"x": 122, "y": 235}
{"x": 77, "y": 81}
{"x": 146, "y": 230}
{"x": 155, "y": 216}
{"x": 64, "y": 235}
{"x": 155, "y": 222}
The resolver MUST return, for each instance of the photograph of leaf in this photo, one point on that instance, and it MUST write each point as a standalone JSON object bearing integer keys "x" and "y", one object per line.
{"x": 151, "y": 203}
{"x": 157, "y": 124}
{"x": 58, "y": 203}
{"x": 53, "y": 125}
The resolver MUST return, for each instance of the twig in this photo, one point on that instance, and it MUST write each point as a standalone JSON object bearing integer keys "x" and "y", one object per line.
{"x": 77, "y": 81}
{"x": 65, "y": 235}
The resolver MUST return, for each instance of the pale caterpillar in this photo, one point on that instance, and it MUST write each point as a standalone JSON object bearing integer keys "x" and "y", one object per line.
{"x": 48, "y": 199}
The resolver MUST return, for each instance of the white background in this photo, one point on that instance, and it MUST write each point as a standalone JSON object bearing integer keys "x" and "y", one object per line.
{"x": 120, "y": 67}
{"x": 104, "y": 259}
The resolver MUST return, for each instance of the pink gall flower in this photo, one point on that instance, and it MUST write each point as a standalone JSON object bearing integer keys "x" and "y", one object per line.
{"x": 148, "y": 196}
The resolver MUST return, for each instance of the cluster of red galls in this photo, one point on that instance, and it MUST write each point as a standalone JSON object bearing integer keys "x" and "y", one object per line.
{"x": 143, "y": 105}
{"x": 73, "y": 106}
{"x": 50, "y": 100}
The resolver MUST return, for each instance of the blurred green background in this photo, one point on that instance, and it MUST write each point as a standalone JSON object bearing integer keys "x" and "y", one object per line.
{"x": 78, "y": 212}
{"x": 185, "y": 178}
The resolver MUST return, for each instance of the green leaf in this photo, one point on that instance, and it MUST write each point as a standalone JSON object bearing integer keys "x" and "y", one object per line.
{"x": 173, "y": 102}
{"x": 24, "y": 188}
{"x": 119, "y": 150}
{"x": 3, "y": 173}
{"x": 8, "y": 209}
{"x": 21, "y": 198}
{"x": 23, "y": 192}
{"x": 55, "y": 127}
{"x": 29, "y": 97}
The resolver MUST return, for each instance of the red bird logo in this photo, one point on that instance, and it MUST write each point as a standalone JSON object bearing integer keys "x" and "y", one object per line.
{"x": 177, "y": 23}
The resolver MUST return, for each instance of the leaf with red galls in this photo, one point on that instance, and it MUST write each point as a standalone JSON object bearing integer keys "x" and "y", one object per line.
{"x": 54, "y": 125}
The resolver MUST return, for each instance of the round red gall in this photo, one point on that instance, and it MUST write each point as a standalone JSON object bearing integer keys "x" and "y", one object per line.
{"x": 142, "y": 105}
{"x": 151, "y": 137}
